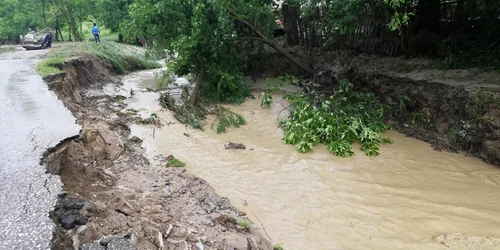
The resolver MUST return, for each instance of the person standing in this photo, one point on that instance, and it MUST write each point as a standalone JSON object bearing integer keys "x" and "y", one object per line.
{"x": 95, "y": 32}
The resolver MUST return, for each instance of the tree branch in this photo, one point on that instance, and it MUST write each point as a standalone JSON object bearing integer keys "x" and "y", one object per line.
{"x": 271, "y": 43}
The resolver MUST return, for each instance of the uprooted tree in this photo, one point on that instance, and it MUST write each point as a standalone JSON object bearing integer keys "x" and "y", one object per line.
{"x": 211, "y": 38}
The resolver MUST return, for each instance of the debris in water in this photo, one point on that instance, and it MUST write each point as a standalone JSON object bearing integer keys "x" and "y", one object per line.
{"x": 232, "y": 145}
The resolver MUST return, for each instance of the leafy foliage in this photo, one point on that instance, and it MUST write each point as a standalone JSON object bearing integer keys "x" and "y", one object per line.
{"x": 206, "y": 36}
{"x": 113, "y": 12}
{"x": 345, "y": 117}
{"x": 267, "y": 99}
{"x": 16, "y": 16}
{"x": 226, "y": 118}
{"x": 174, "y": 162}
{"x": 278, "y": 246}
{"x": 468, "y": 49}
{"x": 274, "y": 85}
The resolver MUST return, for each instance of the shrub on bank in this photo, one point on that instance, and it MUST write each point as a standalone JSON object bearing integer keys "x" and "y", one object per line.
{"x": 346, "y": 117}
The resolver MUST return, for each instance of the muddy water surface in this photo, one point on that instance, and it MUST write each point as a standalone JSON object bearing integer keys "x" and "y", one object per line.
{"x": 409, "y": 197}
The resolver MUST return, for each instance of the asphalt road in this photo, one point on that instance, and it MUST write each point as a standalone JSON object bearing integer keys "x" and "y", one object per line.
{"x": 31, "y": 120}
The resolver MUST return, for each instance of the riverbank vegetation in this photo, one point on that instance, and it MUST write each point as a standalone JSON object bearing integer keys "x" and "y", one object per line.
{"x": 343, "y": 118}
{"x": 215, "y": 42}
{"x": 120, "y": 57}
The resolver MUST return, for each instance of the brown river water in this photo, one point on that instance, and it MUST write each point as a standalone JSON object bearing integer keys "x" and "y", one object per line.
{"x": 409, "y": 197}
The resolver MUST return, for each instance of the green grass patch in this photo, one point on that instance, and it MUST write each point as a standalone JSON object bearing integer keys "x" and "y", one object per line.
{"x": 122, "y": 58}
{"x": 244, "y": 224}
{"x": 50, "y": 66}
{"x": 121, "y": 61}
{"x": 174, "y": 162}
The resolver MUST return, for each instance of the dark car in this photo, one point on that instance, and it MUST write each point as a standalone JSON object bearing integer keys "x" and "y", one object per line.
{"x": 37, "y": 40}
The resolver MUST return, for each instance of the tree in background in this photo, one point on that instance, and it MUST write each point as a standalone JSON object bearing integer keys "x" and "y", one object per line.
{"x": 210, "y": 38}
{"x": 16, "y": 17}
{"x": 112, "y": 13}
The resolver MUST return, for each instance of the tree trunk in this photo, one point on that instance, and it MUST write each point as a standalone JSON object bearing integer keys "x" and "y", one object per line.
{"x": 58, "y": 30}
{"x": 274, "y": 46}
{"x": 81, "y": 21}
{"x": 67, "y": 11}
{"x": 199, "y": 79}
{"x": 43, "y": 13}
{"x": 72, "y": 23}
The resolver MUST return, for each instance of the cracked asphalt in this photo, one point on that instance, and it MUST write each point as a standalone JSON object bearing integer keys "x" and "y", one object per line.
{"x": 31, "y": 120}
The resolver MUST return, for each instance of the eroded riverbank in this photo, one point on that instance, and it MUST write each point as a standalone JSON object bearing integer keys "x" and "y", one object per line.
{"x": 112, "y": 190}
{"x": 409, "y": 197}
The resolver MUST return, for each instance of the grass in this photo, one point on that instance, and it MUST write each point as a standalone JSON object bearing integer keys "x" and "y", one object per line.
{"x": 244, "y": 224}
{"x": 105, "y": 35}
{"x": 50, "y": 66}
{"x": 122, "y": 60}
{"x": 278, "y": 246}
{"x": 174, "y": 162}
{"x": 121, "y": 57}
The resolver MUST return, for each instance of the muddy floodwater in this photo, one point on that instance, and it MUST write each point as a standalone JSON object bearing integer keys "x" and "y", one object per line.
{"x": 409, "y": 197}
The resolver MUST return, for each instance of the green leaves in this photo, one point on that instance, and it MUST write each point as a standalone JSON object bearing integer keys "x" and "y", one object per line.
{"x": 345, "y": 117}
{"x": 267, "y": 99}
{"x": 340, "y": 148}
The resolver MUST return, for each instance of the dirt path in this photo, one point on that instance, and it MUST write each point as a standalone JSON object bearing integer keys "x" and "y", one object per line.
{"x": 113, "y": 190}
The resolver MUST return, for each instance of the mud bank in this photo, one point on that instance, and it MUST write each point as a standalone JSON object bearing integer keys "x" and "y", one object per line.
{"x": 113, "y": 197}
{"x": 453, "y": 110}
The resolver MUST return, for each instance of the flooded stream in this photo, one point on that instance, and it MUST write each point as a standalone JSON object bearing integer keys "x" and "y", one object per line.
{"x": 409, "y": 197}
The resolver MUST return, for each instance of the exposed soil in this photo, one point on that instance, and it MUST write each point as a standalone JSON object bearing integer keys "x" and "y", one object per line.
{"x": 113, "y": 191}
{"x": 454, "y": 110}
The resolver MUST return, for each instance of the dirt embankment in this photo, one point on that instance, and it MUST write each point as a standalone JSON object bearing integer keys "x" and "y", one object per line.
{"x": 452, "y": 110}
{"x": 111, "y": 190}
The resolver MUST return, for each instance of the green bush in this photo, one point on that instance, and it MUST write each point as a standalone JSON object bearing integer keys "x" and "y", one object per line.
{"x": 345, "y": 117}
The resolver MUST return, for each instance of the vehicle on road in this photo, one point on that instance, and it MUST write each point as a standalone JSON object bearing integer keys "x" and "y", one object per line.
{"x": 37, "y": 40}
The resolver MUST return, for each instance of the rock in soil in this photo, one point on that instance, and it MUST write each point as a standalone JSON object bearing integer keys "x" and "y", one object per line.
{"x": 120, "y": 244}
{"x": 92, "y": 246}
